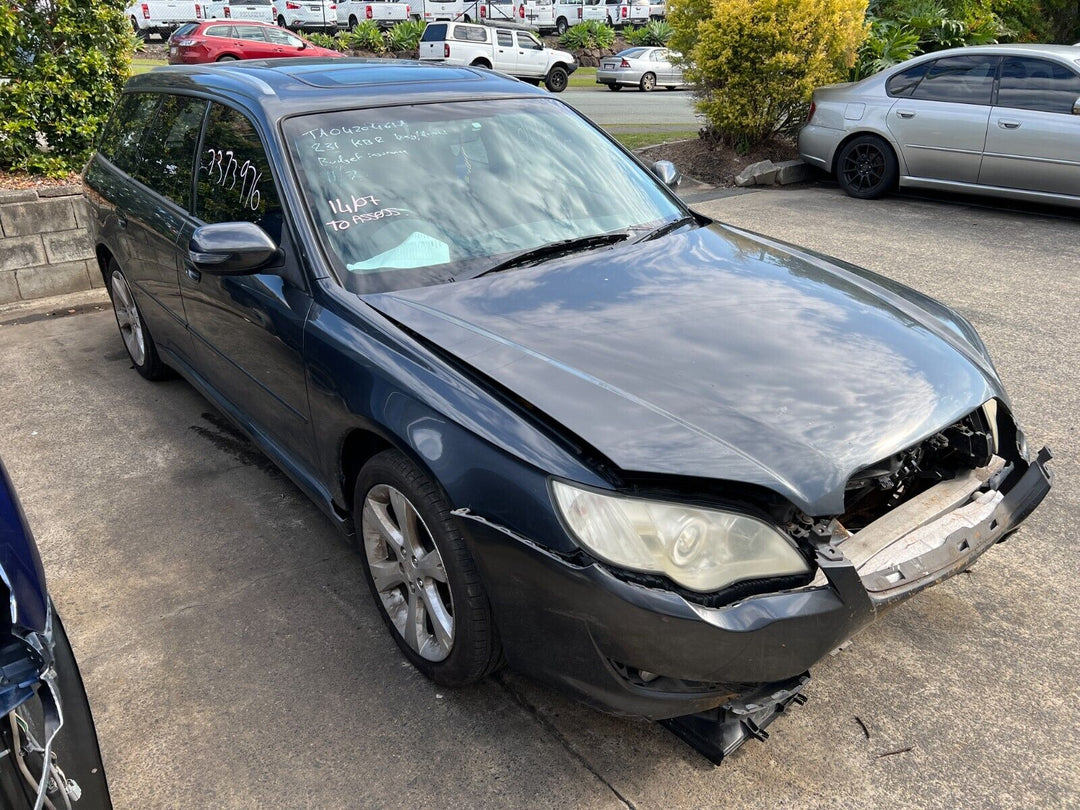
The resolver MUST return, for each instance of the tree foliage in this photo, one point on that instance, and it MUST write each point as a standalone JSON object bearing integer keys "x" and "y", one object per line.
{"x": 754, "y": 63}
{"x": 588, "y": 35}
{"x": 65, "y": 62}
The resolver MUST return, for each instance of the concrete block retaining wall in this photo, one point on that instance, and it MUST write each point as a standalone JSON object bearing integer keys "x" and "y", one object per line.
{"x": 44, "y": 246}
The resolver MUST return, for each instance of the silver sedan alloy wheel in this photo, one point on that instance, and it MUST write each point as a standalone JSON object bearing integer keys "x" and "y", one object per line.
{"x": 127, "y": 317}
{"x": 408, "y": 573}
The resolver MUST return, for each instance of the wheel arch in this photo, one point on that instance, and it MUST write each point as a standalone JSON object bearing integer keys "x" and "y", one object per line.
{"x": 866, "y": 131}
{"x": 104, "y": 256}
{"x": 480, "y": 62}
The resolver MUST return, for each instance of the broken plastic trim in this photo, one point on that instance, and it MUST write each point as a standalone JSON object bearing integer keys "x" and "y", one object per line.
{"x": 720, "y": 732}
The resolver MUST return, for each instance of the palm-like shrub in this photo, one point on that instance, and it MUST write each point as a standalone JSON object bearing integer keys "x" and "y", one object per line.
{"x": 591, "y": 34}
{"x": 405, "y": 36}
{"x": 654, "y": 34}
{"x": 365, "y": 37}
{"x": 325, "y": 41}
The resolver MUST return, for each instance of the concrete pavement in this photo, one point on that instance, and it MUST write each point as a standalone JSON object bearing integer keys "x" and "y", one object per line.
{"x": 234, "y": 658}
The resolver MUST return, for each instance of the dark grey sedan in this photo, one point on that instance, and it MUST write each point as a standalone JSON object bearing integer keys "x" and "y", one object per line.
{"x": 645, "y": 68}
{"x": 1001, "y": 120}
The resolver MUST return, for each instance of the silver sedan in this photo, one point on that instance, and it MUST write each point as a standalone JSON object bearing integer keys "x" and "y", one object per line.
{"x": 646, "y": 68}
{"x": 1002, "y": 120}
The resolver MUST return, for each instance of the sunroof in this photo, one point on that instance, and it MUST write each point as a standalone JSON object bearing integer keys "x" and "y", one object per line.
{"x": 376, "y": 73}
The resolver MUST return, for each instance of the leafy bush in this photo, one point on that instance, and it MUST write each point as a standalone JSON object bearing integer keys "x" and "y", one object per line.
{"x": 325, "y": 41}
{"x": 656, "y": 34}
{"x": 405, "y": 36}
{"x": 907, "y": 28}
{"x": 754, "y": 63}
{"x": 365, "y": 37}
{"x": 66, "y": 61}
{"x": 591, "y": 34}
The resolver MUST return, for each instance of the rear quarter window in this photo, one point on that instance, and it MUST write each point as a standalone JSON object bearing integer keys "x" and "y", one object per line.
{"x": 903, "y": 84}
{"x": 124, "y": 132}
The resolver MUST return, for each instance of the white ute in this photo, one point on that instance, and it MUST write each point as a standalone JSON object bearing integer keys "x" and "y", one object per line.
{"x": 514, "y": 51}
{"x": 160, "y": 16}
{"x": 384, "y": 13}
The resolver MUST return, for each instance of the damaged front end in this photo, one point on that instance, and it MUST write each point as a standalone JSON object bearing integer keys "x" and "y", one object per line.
{"x": 915, "y": 519}
{"x": 716, "y": 667}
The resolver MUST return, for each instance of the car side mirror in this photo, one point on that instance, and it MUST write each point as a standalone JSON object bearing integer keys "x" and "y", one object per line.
{"x": 667, "y": 174}
{"x": 231, "y": 248}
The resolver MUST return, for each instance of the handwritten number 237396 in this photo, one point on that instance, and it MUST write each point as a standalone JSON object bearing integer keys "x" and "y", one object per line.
{"x": 223, "y": 170}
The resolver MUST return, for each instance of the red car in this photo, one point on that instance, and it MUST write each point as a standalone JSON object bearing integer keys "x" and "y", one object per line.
{"x": 224, "y": 41}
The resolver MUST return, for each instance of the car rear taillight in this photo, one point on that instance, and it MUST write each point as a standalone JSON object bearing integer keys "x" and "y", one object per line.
{"x": 292, "y": 6}
{"x": 810, "y": 112}
{"x": 521, "y": 11}
{"x": 483, "y": 12}
{"x": 198, "y": 12}
{"x": 408, "y": 12}
{"x": 446, "y": 50}
{"x": 624, "y": 11}
{"x": 146, "y": 11}
{"x": 579, "y": 12}
{"x": 186, "y": 43}
{"x": 368, "y": 12}
{"x": 623, "y": 63}
{"x": 228, "y": 12}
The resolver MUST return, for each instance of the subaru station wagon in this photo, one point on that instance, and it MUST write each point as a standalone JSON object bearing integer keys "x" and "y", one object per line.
{"x": 572, "y": 426}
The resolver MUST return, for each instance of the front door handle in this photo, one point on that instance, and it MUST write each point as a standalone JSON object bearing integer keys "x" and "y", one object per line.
{"x": 905, "y": 114}
{"x": 1008, "y": 124}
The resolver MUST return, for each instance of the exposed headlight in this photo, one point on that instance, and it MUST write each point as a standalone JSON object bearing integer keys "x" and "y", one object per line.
{"x": 700, "y": 549}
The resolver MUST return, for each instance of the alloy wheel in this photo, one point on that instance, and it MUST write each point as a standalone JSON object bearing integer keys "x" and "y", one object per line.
{"x": 864, "y": 167}
{"x": 127, "y": 318}
{"x": 408, "y": 573}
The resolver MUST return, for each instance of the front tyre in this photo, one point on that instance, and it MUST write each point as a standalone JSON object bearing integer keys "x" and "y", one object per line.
{"x": 557, "y": 79}
{"x": 866, "y": 167}
{"x": 421, "y": 574}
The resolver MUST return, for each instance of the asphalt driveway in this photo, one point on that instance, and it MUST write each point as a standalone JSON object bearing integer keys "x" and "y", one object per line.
{"x": 234, "y": 658}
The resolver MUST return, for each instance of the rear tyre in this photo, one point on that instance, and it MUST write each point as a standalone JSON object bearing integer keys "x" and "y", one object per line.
{"x": 421, "y": 574}
{"x": 561, "y": 26}
{"x": 648, "y": 83}
{"x": 353, "y": 22}
{"x": 614, "y": 88}
{"x": 866, "y": 167}
{"x": 226, "y": 59}
{"x": 468, "y": 19}
{"x": 480, "y": 63}
{"x": 281, "y": 21}
{"x": 133, "y": 330}
{"x": 557, "y": 79}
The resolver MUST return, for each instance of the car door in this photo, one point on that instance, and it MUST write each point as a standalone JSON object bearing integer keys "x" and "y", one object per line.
{"x": 254, "y": 43}
{"x": 662, "y": 67}
{"x": 531, "y": 59}
{"x": 248, "y": 329}
{"x": 1033, "y": 141}
{"x": 941, "y": 115}
{"x": 505, "y": 52}
{"x": 140, "y": 227}
{"x": 282, "y": 43}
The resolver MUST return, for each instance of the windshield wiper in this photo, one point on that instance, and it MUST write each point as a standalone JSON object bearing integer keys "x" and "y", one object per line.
{"x": 550, "y": 251}
{"x": 666, "y": 228}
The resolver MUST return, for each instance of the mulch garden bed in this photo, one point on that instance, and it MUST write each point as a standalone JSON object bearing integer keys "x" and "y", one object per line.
{"x": 713, "y": 162}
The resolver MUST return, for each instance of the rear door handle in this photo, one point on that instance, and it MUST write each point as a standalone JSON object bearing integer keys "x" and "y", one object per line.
{"x": 905, "y": 114}
{"x": 1008, "y": 124}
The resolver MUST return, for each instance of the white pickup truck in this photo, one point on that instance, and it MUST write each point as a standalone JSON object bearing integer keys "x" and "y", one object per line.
{"x": 161, "y": 16}
{"x": 384, "y": 13}
{"x": 507, "y": 49}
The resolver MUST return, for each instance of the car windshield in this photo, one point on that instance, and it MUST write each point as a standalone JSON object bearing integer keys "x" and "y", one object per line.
{"x": 426, "y": 194}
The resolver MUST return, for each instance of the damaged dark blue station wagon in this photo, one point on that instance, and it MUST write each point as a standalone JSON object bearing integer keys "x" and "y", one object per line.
{"x": 571, "y": 425}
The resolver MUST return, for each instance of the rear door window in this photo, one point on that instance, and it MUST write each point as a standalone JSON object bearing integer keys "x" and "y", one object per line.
{"x": 506, "y": 39}
{"x": 960, "y": 79}
{"x": 124, "y": 133}
{"x": 1036, "y": 84}
{"x": 234, "y": 182}
{"x": 468, "y": 33}
{"x": 251, "y": 32}
{"x": 227, "y": 31}
{"x": 168, "y": 150}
